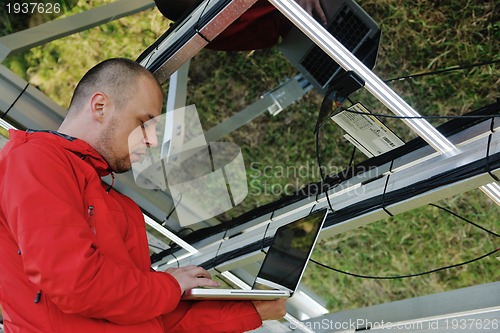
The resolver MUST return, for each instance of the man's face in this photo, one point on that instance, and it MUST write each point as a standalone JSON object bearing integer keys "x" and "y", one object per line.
{"x": 131, "y": 129}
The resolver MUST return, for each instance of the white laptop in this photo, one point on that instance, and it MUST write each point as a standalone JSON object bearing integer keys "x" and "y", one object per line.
{"x": 282, "y": 268}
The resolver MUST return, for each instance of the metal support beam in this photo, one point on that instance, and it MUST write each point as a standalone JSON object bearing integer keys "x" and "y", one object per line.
{"x": 191, "y": 35}
{"x": 274, "y": 102}
{"x": 47, "y": 32}
{"x": 26, "y": 105}
{"x": 177, "y": 88}
{"x": 473, "y": 309}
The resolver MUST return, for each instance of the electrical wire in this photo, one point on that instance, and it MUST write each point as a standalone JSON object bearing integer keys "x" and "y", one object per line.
{"x": 425, "y": 272}
{"x": 466, "y": 220}
{"x": 15, "y": 101}
{"x": 319, "y": 125}
{"x": 452, "y": 176}
{"x": 197, "y": 25}
{"x": 176, "y": 260}
{"x": 393, "y": 277}
{"x": 172, "y": 210}
{"x": 441, "y": 71}
{"x": 462, "y": 172}
{"x": 384, "y": 115}
{"x": 318, "y": 160}
{"x": 179, "y": 234}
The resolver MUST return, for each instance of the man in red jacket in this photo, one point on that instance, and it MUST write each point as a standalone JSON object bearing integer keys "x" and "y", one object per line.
{"x": 74, "y": 252}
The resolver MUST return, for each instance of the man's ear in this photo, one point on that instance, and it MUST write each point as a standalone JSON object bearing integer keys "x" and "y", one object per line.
{"x": 98, "y": 103}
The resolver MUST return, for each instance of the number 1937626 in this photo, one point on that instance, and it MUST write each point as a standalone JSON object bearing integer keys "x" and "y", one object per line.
{"x": 32, "y": 8}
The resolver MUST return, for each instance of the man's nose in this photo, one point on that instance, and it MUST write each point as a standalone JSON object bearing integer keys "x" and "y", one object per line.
{"x": 151, "y": 138}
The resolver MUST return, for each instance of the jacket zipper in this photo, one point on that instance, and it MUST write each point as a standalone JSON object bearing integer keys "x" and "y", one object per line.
{"x": 38, "y": 297}
{"x": 90, "y": 213}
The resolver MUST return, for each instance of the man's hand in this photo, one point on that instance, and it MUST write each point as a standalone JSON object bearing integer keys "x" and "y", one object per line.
{"x": 313, "y": 7}
{"x": 190, "y": 277}
{"x": 271, "y": 310}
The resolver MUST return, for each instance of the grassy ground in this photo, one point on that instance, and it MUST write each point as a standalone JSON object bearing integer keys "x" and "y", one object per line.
{"x": 418, "y": 36}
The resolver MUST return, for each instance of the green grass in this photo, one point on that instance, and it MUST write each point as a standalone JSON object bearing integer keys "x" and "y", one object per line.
{"x": 418, "y": 36}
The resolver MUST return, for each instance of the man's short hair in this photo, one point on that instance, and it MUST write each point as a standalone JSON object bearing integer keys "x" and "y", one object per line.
{"x": 115, "y": 77}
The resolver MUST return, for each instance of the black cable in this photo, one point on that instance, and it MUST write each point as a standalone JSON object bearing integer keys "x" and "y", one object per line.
{"x": 15, "y": 101}
{"x": 426, "y": 272}
{"x": 255, "y": 246}
{"x": 263, "y": 238}
{"x": 492, "y": 127}
{"x": 153, "y": 52}
{"x": 319, "y": 125}
{"x": 464, "y": 219}
{"x": 179, "y": 234}
{"x": 408, "y": 275}
{"x": 339, "y": 216}
{"x": 218, "y": 249}
{"x": 385, "y": 190}
{"x": 176, "y": 260}
{"x": 173, "y": 209}
{"x": 197, "y": 25}
{"x": 318, "y": 160}
{"x": 384, "y": 115}
{"x": 441, "y": 71}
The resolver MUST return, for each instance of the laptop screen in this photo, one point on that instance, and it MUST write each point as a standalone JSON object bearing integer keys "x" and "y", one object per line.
{"x": 290, "y": 250}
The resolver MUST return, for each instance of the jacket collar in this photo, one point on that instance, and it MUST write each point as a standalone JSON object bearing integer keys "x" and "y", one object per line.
{"x": 78, "y": 147}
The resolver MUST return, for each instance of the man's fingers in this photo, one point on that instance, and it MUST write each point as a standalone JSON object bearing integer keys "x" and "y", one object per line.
{"x": 308, "y": 8}
{"x": 192, "y": 277}
{"x": 191, "y": 270}
{"x": 207, "y": 283}
{"x": 320, "y": 12}
{"x": 313, "y": 7}
{"x": 271, "y": 310}
{"x": 198, "y": 272}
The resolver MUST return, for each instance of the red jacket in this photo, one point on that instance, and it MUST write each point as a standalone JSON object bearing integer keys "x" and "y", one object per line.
{"x": 260, "y": 27}
{"x": 82, "y": 252}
